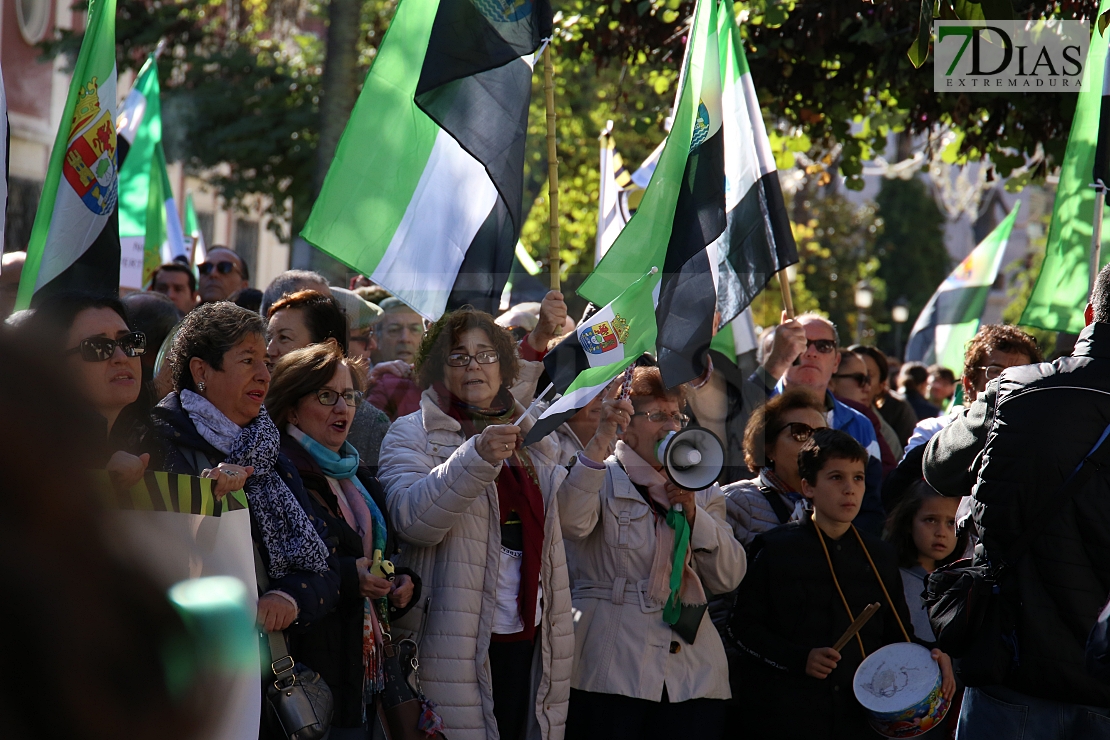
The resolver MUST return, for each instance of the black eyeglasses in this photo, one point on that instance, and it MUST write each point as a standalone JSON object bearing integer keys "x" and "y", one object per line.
{"x": 224, "y": 267}
{"x": 662, "y": 416}
{"x": 461, "y": 359}
{"x": 328, "y": 397}
{"x": 799, "y": 431}
{"x": 101, "y": 349}
{"x": 824, "y": 346}
{"x": 862, "y": 379}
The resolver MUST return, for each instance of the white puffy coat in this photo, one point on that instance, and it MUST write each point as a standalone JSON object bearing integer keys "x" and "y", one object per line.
{"x": 442, "y": 499}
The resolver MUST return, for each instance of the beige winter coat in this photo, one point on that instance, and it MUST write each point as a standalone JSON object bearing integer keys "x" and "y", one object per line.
{"x": 622, "y": 644}
{"x": 442, "y": 499}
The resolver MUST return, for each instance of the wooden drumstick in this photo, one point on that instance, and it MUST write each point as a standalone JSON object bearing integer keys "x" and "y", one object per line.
{"x": 856, "y": 626}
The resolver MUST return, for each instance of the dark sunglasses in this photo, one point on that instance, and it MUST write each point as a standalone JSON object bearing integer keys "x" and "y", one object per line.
{"x": 799, "y": 431}
{"x": 862, "y": 379}
{"x": 101, "y": 349}
{"x": 824, "y": 346}
{"x": 328, "y": 397}
{"x": 224, "y": 267}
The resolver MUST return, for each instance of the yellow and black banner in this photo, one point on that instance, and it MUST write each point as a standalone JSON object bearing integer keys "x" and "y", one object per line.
{"x": 159, "y": 491}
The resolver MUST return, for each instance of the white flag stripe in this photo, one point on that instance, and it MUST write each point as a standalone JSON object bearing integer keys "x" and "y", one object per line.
{"x": 131, "y": 115}
{"x": 175, "y": 237}
{"x": 451, "y": 201}
{"x": 73, "y": 227}
{"x": 610, "y": 220}
{"x": 574, "y": 399}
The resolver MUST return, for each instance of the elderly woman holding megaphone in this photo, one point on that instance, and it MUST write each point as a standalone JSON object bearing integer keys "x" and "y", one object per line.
{"x": 648, "y": 553}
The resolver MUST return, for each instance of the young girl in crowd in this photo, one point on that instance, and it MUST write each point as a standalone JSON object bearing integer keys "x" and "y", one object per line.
{"x": 922, "y": 529}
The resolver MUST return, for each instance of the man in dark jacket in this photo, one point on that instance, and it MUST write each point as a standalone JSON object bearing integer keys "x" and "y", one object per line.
{"x": 1012, "y": 449}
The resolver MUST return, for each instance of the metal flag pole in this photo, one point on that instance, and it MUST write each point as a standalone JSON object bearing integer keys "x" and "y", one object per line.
{"x": 552, "y": 168}
{"x": 1096, "y": 235}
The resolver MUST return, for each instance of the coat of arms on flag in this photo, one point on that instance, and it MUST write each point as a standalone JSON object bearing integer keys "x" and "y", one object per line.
{"x": 605, "y": 336}
{"x": 90, "y": 160}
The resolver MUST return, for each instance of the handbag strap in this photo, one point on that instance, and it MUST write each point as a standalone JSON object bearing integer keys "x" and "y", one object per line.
{"x": 281, "y": 662}
{"x": 1079, "y": 477}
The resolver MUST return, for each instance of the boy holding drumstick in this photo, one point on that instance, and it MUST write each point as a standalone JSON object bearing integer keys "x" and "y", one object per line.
{"x": 807, "y": 581}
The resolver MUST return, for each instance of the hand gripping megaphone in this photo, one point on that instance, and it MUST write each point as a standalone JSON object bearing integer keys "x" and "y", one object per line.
{"x": 693, "y": 457}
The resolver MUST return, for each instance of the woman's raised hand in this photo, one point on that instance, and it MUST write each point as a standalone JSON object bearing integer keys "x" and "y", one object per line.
{"x": 497, "y": 442}
{"x": 616, "y": 414}
{"x": 125, "y": 469}
{"x": 228, "y": 478}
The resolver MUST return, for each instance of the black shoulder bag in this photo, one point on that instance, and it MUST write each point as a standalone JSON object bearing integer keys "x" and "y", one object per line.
{"x": 970, "y": 609}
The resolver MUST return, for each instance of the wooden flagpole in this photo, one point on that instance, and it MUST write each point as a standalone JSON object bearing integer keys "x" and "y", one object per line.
{"x": 552, "y": 168}
{"x": 787, "y": 300}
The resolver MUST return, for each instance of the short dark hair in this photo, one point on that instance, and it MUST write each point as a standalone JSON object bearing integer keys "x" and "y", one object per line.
{"x": 1100, "y": 296}
{"x": 442, "y": 335}
{"x": 875, "y": 354}
{"x": 1001, "y": 338}
{"x": 322, "y": 315}
{"x": 305, "y": 370}
{"x": 290, "y": 282}
{"x": 55, "y": 314}
{"x": 825, "y": 445}
{"x": 175, "y": 267}
{"x": 248, "y": 298}
{"x": 899, "y": 526}
{"x": 209, "y": 332}
{"x": 914, "y": 375}
{"x": 154, "y": 314}
{"x": 768, "y": 417}
{"x": 943, "y": 373}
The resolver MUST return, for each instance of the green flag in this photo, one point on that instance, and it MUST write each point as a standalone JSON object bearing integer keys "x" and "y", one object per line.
{"x": 599, "y": 350}
{"x": 1060, "y": 293}
{"x": 192, "y": 230}
{"x": 149, "y": 227}
{"x": 74, "y": 242}
{"x": 426, "y": 190}
{"x": 951, "y": 317}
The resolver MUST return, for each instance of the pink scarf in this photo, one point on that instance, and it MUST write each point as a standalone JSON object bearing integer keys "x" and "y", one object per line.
{"x": 659, "y": 581}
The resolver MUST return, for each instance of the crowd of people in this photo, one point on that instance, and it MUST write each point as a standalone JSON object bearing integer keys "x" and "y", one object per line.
{"x": 570, "y": 588}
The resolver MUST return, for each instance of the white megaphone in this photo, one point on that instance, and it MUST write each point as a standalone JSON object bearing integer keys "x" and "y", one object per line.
{"x": 693, "y": 457}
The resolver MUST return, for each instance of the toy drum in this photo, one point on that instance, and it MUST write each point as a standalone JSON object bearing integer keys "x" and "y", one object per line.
{"x": 899, "y": 686}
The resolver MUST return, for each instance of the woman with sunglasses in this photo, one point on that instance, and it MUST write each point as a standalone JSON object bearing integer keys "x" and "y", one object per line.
{"x": 101, "y": 353}
{"x": 776, "y": 432}
{"x": 312, "y": 400}
{"x": 480, "y": 516}
{"x": 214, "y": 425}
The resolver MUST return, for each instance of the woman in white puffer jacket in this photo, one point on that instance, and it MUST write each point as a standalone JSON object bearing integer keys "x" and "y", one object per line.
{"x": 480, "y": 515}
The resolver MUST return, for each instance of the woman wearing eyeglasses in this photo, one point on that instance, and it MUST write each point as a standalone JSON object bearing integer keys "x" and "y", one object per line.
{"x": 312, "y": 400}
{"x": 307, "y": 317}
{"x": 102, "y": 355}
{"x": 214, "y": 424}
{"x": 648, "y": 663}
{"x": 480, "y": 516}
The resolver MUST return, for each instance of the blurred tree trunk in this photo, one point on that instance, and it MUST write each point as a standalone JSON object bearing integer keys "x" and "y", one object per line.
{"x": 337, "y": 99}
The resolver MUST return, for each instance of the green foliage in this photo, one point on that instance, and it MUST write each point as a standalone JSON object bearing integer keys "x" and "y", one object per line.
{"x": 914, "y": 260}
{"x": 836, "y": 244}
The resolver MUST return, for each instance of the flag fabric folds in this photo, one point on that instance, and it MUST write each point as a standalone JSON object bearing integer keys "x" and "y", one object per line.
{"x": 601, "y": 348}
{"x": 713, "y": 214}
{"x": 951, "y": 317}
{"x": 1060, "y": 293}
{"x": 425, "y": 195}
{"x": 74, "y": 242}
{"x": 199, "y": 252}
{"x": 149, "y": 227}
{"x": 5, "y": 142}
{"x": 612, "y": 213}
